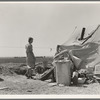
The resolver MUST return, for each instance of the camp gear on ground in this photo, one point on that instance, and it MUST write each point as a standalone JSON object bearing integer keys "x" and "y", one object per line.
{"x": 63, "y": 72}
{"x": 47, "y": 74}
{"x": 81, "y": 80}
{"x": 30, "y": 72}
{"x": 61, "y": 85}
{"x": 52, "y": 84}
{"x": 39, "y": 69}
{"x": 83, "y": 49}
{"x": 75, "y": 80}
{"x": 75, "y": 77}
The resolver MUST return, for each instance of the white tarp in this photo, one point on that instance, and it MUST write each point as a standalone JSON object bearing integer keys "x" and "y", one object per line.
{"x": 85, "y": 51}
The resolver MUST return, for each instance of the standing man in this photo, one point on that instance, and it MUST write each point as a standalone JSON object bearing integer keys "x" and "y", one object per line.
{"x": 30, "y": 59}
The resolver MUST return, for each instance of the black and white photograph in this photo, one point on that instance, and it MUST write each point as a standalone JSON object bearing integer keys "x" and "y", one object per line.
{"x": 50, "y": 48}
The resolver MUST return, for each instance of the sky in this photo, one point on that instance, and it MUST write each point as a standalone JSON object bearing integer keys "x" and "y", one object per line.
{"x": 49, "y": 23}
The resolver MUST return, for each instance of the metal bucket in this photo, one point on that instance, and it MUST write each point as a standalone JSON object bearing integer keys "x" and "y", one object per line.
{"x": 63, "y": 72}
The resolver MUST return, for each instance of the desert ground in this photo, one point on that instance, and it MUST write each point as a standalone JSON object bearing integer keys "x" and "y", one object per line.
{"x": 18, "y": 84}
{"x": 13, "y": 83}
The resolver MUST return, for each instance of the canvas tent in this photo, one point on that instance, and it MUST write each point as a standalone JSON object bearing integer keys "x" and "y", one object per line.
{"x": 83, "y": 47}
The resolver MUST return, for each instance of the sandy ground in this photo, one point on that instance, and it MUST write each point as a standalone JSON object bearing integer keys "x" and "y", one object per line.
{"x": 15, "y": 84}
{"x": 18, "y": 84}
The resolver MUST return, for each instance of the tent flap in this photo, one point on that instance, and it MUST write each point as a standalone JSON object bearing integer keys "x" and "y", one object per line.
{"x": 83, "y": 49}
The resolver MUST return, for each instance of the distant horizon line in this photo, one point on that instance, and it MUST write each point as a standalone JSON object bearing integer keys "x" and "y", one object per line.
{"x": 21, "y": 56}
